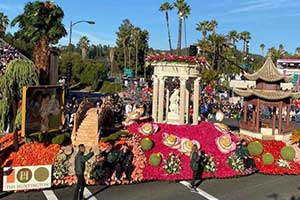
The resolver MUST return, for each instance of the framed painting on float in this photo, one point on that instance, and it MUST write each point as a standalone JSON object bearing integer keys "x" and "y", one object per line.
{"x": 42, "y": 109}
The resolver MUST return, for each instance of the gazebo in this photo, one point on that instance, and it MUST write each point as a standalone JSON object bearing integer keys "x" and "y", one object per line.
{"x": 267, "y": 91}
{"x": 172, "y": 105}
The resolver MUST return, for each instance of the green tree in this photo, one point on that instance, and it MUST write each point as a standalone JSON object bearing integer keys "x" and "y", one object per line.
{"x": 262, "y": 47}
{"x": 180, "y": 5}
{"x": 297, "y": 52}
{"x": 212, "y": 26}
{"x": 166, "y": 7}
{"x": 74, "y": 58}
{"x": 186, "y": 11}
{"x": 277, "y": 53}
{"x": 123, "y": 42}
{"x": 245, "y": 36}
{"x": 83, "y": 45}
{"x": 233, "y": 36}
{"x": 41, "y": 24}
{"x": 3, "y": 23}
{"x": 203, "y": 27}
{"x": 93, "y": 74}
{"x": 19, "y": 73}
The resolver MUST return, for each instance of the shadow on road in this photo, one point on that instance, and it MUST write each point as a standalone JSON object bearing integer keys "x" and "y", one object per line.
{"x": 97, "y": 192}
{"x": 277, "y": 197}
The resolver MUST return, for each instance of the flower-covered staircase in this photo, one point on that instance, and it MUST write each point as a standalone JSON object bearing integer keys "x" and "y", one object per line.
{"x": 87, "y": 131}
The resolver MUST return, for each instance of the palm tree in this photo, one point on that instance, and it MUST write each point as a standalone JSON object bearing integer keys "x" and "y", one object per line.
{"x": 185, "y": 13}
{"x": 245, "y": 36}
{"x": 203, "y": 27}
{"x": 136, "y": 33}
{"x": 165, "y": 7}
{"x": 111, "y": 55}
{"x": 41, "y": 24}
{"x": 180, "y": 5}
{"x": 3, "y": 23}
{"x": 213, "y": 24}
{"x": 262, "y": 47}
{"x": 233, "y": 36}
{"x": 297, "y": 51}
{"x": 83, "y": 45}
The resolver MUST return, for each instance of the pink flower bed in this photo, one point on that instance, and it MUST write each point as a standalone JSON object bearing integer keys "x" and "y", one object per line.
{"x": 205, "y": 133}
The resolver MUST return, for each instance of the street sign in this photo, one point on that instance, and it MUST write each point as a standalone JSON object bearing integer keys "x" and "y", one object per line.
{"x": 128, "y": 72}
{"x": 27, "y": 177}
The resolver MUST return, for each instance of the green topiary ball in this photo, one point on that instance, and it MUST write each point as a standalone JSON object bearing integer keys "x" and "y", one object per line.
{"x": 268, "y": 159}
{"x": 155, "y": 159}
{"x": 288, "y": 153}
{"x": 146, "y": 144}
{"x": 255, "y": 148}
{"x": 59, "y": 139}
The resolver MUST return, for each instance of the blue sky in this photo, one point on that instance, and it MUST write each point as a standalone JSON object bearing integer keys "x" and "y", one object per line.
{"x": 269, "y": 21}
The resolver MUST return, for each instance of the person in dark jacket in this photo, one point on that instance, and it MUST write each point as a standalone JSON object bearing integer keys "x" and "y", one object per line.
{"x": 80, "y": 160}
{"x": 112, "y": 158}
{"x": 197, "y": 165}
{"x": 242, "y": 152}
{"x": 125, "y": 163}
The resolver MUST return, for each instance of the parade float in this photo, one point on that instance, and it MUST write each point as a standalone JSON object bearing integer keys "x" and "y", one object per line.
{"x": 161, "y": 146}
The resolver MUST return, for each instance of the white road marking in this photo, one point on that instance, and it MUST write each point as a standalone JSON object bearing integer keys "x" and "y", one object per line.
{"x": 200, "y": 192}
{"x": 88, "y": 195}
{"x": 49, "y": 194}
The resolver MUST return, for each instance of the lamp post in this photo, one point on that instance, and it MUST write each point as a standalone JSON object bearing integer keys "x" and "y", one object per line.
{"x": 71, "y": 28}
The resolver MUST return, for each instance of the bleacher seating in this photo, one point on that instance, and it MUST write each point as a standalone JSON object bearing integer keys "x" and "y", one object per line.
{"x": 7, "y": 53}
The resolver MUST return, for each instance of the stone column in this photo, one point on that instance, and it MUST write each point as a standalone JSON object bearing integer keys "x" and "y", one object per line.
{"x": 161, "y": 96}
{"x": 196, "y": 101}
{"x": 155, "y": 98}
{"x": 187, "y": 105}
{"x": 167, "y": 103}
{"x": 182, "y": 99}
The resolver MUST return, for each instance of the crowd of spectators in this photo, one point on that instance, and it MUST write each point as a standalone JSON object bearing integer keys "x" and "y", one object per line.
{"x": 7, "y": 53}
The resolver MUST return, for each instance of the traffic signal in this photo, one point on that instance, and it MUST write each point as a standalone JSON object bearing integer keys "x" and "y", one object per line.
{"x": 69, "y": 71}
{"x": 193, "y": 50}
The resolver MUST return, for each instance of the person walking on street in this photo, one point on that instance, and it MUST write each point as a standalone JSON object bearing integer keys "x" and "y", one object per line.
{"x": 80, "y": 160}
{"x": 197, "y": 166}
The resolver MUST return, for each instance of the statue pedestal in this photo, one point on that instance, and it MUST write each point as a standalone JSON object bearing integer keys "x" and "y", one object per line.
{"x": 173, "y": 118}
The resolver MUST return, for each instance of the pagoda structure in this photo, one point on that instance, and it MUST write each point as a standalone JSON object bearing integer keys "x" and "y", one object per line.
{"x": 267, "y": 89}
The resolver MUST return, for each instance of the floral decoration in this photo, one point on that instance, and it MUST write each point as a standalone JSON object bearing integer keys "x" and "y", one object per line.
{"x": 148, "y": 129}
{"x": 210, "y": 165}
{"x": 225, "y": 144}
{"x": 171, "y": 140}
{"x": 283, "y": 163}
{"x": 33, "y": 154}
{"x": 176, "y": 58}
{"x": 236, "y": 163}
{"x": 205, "y": 133}
{"x": 173, "y": 164}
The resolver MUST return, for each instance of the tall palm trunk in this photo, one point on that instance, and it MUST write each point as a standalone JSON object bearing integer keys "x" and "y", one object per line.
{"x": 185, "y": 40}
{"x": 124, "y": 52}
{"x": 84, "y": 53}
{"x": 136, "y": 57}
{"x": 41, "y": 56}
{"x": 111, "y": 59}
{"x": 129, "y": 57}
{"x": 169, "y": 33}
{"x": 179, "y": 35}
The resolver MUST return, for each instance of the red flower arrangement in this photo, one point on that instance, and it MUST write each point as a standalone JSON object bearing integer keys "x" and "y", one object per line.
{"x": 274, "y": 147}
{"x": 33, "y": 154}
{"x": 176, "y": 58}
{"x": 205, "y": 133}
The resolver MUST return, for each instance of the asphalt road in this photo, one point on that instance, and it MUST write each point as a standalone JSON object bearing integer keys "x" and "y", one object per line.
{"x": 254, "y": 187}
